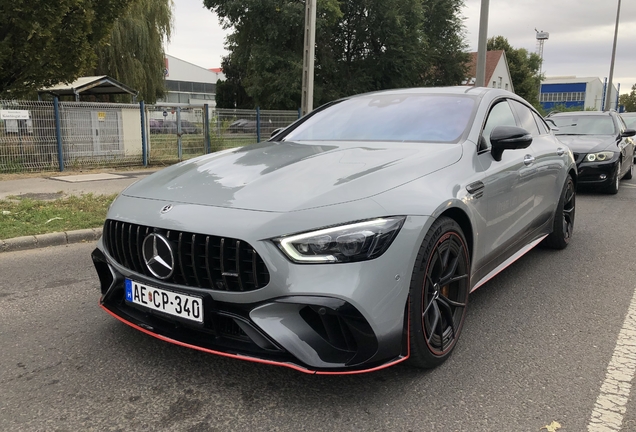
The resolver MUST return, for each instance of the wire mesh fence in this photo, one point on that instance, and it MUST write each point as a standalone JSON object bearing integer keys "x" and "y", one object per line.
{"x": 27, "y": 136}
{"x": 100, "y": 134}
{"x": 175, "y": 132}
{"x": 104, "y": 134}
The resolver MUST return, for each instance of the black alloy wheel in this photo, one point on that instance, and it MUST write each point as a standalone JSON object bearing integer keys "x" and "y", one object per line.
{"x": 563, "y": 218}
{"x": 439, "y": 294}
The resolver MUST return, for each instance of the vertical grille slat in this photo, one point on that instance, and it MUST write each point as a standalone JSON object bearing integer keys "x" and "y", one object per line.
{"x": 238, "y": 265}
{"x": 194, "y": 260}
{"x": 118, "y": 244}
{"x": 180, "y": 254}
{"x": 222, "y": 260}
{"x": 254, "y": 270}
{"x": 208, "y": 262}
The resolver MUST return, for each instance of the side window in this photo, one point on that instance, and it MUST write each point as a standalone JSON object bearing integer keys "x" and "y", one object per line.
{"x": 543, "y": 128}
{"x": 525, "y": 117}
{"x": 500, "y": 115}
{"x": 621, "y": 124}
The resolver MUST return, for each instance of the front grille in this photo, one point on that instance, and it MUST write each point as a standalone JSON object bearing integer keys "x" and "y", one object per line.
{"x": 203, "y": 261}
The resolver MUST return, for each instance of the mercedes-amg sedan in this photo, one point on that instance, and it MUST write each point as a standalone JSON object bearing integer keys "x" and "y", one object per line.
{"x": 347, "y": 243}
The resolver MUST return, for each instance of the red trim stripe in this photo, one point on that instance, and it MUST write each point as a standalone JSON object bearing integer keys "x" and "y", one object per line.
{"x": 253, "y": 359}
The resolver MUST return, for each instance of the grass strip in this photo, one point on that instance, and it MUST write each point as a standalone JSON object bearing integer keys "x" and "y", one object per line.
{"x": 21, "y": 217}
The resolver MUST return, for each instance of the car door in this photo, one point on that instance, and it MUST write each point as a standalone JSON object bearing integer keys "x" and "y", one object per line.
{"x": 508, "y": 192}
{"x": 626, "y": 146}
{"x": 548, "y": 174}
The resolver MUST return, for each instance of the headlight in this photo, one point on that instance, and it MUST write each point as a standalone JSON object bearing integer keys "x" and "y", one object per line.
{"x": 599, "y": 157}
{"x": 345, "y": 243}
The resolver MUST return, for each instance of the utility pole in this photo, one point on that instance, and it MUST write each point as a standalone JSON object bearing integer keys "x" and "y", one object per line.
{"x": 480, "y": 78}
{"x": 307, "y": 98}
{"x": 608, "y": 95}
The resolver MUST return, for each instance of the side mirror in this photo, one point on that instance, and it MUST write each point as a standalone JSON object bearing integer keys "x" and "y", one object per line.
{"x": 275, "y": 132}
{"x": 628, "y": 133}
{"x": 552, "y": 124}
{"x": 508, "y": 138}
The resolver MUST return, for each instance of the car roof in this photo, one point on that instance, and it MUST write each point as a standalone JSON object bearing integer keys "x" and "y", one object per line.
{"x": 628, "y": 114}
{"x": 580, "y": 113}
{"x": 454, "y": 90}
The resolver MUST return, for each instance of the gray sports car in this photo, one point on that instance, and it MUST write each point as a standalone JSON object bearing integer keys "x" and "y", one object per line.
{"x": 347, "y": 243}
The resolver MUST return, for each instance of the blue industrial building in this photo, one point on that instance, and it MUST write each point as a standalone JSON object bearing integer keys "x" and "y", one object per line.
{"x": 574, "y": 92}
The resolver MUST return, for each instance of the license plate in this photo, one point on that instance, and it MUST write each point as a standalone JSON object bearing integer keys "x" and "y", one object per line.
{"x": 179, "y": 305}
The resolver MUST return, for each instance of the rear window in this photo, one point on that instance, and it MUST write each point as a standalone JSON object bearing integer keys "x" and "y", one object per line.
{"x": 390, "y": 117}
{"x": 584, "y": 125}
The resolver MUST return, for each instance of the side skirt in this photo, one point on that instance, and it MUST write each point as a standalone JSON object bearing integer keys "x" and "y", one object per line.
{"x": 507, "y": 263}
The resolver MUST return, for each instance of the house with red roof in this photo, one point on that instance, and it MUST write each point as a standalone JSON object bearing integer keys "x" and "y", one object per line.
{"x": 497, "y": 71}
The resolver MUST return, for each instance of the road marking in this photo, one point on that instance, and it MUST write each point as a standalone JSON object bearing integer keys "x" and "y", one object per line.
{"x": 611, "y": 403}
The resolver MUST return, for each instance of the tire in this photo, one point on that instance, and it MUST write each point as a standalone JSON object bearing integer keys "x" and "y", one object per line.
{"x": 630, "y": 172}
{"x": 563, "y": 226}
{"x": 612, "y": 189}
{"x": 439, "y": 290}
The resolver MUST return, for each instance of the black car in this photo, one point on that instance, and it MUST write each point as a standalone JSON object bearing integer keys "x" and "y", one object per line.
{"x": 629, "y": 119}
{"x": 602, "y": 146}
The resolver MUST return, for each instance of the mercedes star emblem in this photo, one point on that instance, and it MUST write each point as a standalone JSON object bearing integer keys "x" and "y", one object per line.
{"x": 158, "y": 255}
{"x": 166, "y": 209}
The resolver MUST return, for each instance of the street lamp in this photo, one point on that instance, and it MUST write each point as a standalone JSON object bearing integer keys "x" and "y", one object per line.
{"x": 480, "y": 77}
{"x": 608, "y": 93}
{"x": 307, "y": 96}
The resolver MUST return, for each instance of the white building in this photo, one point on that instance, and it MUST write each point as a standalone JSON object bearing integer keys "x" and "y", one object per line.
{"x": 190, "y": 84}
{"x": 497, "y": 71}
{"x": 575, "y": 92}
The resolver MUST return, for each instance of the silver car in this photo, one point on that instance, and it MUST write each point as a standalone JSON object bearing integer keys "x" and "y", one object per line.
{"x": 347, "y": 243}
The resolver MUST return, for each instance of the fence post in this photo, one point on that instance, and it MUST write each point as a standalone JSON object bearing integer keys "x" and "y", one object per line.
{"x": 258, "y": 124}
{"x": 144, "y": 144}
{"x": 206, "y": 128}
{"x": 58, "y": 133}
{"x": 299, "y": 113}
{"x": 179, "y": 148}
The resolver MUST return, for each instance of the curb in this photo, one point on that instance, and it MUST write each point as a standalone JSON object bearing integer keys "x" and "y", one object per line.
{"x": 51, "y": 239}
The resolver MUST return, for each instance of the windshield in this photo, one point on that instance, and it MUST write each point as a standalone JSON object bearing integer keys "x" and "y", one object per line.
{"x": 390, "y": 117}
{"x": 584, "y": 125}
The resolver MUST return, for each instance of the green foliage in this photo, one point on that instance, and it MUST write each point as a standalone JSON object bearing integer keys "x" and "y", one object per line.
{"x": 30, "y": 217}
{"x": 361, "y": 45}
{"x": 629, "y": 100}
{"x": 44, "y": 42}
{"x": 133, "y": 52}
{"x": 524, "y": 68}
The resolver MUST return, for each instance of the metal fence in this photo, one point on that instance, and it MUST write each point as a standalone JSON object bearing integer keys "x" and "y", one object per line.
{"x": 27, "y": 136}
{"x": 37, "y": 136}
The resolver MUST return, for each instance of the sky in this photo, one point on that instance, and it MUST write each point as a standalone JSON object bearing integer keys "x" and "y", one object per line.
{"x": 580, "y": 43}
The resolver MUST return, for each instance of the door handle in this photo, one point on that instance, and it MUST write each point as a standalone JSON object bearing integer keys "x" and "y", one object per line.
{"x": 560, "y": 151}
{"x": 528, "y": 160}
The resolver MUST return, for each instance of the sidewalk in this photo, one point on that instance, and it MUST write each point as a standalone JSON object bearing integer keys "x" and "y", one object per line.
{"x": 51, "y": 186}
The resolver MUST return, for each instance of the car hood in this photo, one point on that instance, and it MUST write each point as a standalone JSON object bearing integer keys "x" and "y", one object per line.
{"x": 589, "y": 143}
{"x": 289, "y": 176}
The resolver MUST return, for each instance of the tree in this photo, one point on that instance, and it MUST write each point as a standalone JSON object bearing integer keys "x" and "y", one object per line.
{"x": 133, "y": 52}
{"x": 629, "y": 100}
{"x": 361, "y": 45}
{"x": 444, "y": 29}
{"x": 44, "y": 42}
{"x": 524, "y": 68}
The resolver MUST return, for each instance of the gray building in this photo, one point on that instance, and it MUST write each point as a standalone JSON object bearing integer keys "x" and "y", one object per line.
{"x": 188, "y": 83}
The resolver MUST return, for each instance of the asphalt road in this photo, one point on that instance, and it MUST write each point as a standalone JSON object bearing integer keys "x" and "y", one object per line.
{"x": 535, "y": 349}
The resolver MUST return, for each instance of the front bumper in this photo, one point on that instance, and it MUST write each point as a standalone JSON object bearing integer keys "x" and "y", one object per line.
{"x": 333, "y": 318}
{"x": 597, "y": 173}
